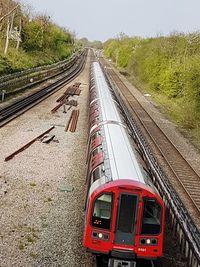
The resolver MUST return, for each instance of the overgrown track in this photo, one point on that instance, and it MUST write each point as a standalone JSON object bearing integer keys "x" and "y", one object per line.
{"x": 10, "y": 112}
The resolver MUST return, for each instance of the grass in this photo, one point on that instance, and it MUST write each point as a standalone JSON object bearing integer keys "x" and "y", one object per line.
{"x": 33, "y": 255}
{"x": 18, "y": 60}
{"x": 177, "y": 110}
{"x": 49, "y": 199}
{"x": 161, "y": 67}
{"x": 30, "y": 239}
{"x": 29, "y": 236}
{"x": 44, "y": 225}
{"x": 33, "y": 184}
{"x": 21, "y": 246}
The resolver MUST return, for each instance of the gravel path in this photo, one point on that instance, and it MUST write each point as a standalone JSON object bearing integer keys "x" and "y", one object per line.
{"x": 42, "y": 188}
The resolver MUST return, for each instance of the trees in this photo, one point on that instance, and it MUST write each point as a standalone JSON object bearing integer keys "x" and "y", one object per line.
{"x": 31, "y": 39}
{"x": 9, "y": 13}
{"x": 167, "y": 66}
{"x": 41, "y": 34}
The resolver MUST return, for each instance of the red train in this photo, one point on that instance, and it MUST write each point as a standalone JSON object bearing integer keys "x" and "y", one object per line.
{"x": 124, "y": 212}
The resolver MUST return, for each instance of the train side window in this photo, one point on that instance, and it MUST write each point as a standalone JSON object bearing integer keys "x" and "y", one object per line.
{"x": 102, "y": 211}
{"x": 94, "y": 120}
{"x": 92, "y": 138}
{"x": 151, "y": 217}
{"x": 97, "y": 173}
{"x": 97, "y": 150}
{"x": 93, "y": 110}
{"x": 95, "y": 135}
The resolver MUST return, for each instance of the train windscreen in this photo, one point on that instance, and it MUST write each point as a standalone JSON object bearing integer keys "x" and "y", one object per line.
{"x": 151, "y": 218}
{"x": 102, "y": 211}
{"x": 126, "y": 219}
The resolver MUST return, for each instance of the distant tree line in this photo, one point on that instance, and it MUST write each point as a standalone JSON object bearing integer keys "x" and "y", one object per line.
{"x": 84, "y": 42}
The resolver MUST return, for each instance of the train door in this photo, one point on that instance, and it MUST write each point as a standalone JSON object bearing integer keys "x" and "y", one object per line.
{"x": 126, "y": 219}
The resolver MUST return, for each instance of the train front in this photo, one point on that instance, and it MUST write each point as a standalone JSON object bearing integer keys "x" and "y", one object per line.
{"x": 125, "y": 222}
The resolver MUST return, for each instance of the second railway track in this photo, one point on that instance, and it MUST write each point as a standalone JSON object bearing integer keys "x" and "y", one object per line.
{"x": 12, "y": 111}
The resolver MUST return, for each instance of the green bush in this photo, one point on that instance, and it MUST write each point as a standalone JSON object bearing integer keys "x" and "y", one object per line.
{"x": 169, "y": 67}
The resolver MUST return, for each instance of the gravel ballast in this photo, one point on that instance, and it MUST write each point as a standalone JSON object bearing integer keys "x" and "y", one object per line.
{"x": 42, "y": 188}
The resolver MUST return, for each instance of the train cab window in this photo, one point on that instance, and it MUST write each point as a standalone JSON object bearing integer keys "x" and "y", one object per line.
{"x": 151, "y": 218}
{"x": 102, "y": 211}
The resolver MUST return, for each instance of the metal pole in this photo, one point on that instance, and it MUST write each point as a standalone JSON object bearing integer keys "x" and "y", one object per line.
{"x": 3, "y": 95}
{"x": 64, "y": 111}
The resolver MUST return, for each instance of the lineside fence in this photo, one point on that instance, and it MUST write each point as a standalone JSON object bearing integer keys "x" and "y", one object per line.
{"x": 20, "y": 81}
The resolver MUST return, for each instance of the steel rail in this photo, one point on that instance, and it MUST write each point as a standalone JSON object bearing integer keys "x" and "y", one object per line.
{"x": 16, "y": 109}
{"x": 13, "y": 78}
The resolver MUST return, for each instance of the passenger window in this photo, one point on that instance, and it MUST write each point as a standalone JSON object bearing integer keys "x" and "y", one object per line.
{"x": 102, "y": 211}
{"x": 97, "y": 173}
{"x": 151, "y": 218}
{"x": 97, "y": 150}
{"x": 95, "y": 135}
{"x": 92, "y": 111}
{"x": 95, "y": 121}
{"x": 93, "y": 96}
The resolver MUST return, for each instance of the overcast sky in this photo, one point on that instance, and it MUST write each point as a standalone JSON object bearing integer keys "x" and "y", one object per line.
{"x": 104, "y": 19}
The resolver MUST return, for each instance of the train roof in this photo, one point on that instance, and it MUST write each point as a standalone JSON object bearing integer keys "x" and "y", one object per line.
{"x": 122, "y": 159}
{"x": 119, "y": 153}
{"x": 109, "y": 111}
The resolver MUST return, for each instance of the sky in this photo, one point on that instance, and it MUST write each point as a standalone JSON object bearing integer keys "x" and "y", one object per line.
{"x": 104, "y": 19}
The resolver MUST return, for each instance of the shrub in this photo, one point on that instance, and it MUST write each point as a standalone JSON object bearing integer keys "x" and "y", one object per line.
{"x": 168, "y": 66}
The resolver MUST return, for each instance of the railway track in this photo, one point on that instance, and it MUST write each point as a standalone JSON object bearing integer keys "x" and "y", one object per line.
{"x": 184, "y": 173}
{"x": 14, "y": 110}
{"x": 183, "y": 225}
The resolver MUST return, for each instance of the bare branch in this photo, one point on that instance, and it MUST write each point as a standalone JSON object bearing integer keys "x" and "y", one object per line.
{"x": 10, "y": 12}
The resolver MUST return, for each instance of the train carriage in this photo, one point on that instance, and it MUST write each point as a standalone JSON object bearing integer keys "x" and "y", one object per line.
{"x": 124, "y": 212}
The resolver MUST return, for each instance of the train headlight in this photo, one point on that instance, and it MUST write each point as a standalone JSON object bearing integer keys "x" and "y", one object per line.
{"x": 100, "y": 235}
{"x": 148, "y": 241}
